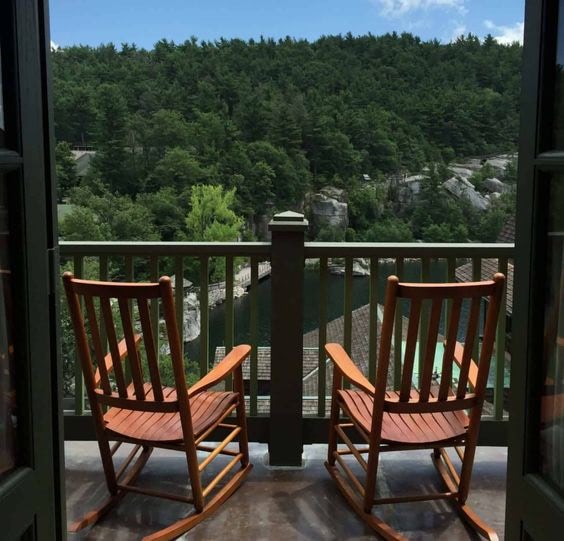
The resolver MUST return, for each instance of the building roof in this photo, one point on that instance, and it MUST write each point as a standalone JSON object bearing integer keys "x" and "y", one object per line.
{"x": 310, "y": 361}
{"x": 489, "y": 268}
{"x": 507, "y": 233}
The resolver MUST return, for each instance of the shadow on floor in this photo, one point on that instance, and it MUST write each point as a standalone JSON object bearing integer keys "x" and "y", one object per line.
{"x": 298, "y": 504}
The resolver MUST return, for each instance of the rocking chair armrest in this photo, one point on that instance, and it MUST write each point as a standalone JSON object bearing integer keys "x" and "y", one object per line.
{"x": 227, "y": 366}
{"x": 346, "y": 366}
{"x": 473, "y": 370}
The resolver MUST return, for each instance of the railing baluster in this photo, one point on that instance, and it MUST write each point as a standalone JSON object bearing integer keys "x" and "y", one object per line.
{"x": 128, "y": 278}
{"x": 373, "y": 330}
{"x": 398, "y": 328}
{"x": 476, "y": 277}
{"x": 154, "y": 307}
{"x": 254, "y": 338}
{"x": 179, "y": 298}
{"x": 322, "y": 336}
{"x": 229, "y": 315}
{"x": 204, "y": 316}
{"x": 450, "y": 277}
{"x": 78, "y": 270}
{"x": 499, "y": 384}
{"x": 347, "y": 308}
{"x": 128, "y": 268}
{"x": 103, "y": 273}
{"x": 424, "y": 328}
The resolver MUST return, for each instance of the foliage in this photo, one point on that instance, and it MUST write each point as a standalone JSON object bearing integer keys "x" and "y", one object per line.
{"x": 478, "y": 178}
{"x": 211, "y": 217}
{"x": 388, "y": 230}
{"x": 82, "y": 223}
{"x": 65, "y": 169}
{"x": 270, "y": 121}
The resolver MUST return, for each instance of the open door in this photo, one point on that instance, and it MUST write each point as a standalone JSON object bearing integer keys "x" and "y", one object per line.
{"x": 30, "y": 441}
{"x": 535, "y": 491}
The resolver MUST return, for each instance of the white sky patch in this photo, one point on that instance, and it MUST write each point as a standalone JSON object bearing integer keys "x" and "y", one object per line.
{"x": 506, "y": 34}
{"x": 459, "y": 30}
{"x": 396, "y": 8}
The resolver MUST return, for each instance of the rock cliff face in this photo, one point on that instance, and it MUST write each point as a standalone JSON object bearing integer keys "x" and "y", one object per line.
{"x": 328, "y": 207}
{"x": 464, "y": 189}
{"x": 459, "y": 185}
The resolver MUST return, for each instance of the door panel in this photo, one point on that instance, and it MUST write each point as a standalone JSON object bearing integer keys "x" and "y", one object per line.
{"x": 551, "y": 425}
{"x": 535, "y": 496}
{"x": 30, "y": 442}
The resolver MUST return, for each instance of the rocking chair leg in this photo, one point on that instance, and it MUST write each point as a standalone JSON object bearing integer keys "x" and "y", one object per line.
{"x": 471, "y": 518}
{"x": 94, "y": 516}
{"x": 357, "y": 503}
{"x": 182, "y": 526}
{"x": 465, "y": 511}
{"x": 241, "y": 417}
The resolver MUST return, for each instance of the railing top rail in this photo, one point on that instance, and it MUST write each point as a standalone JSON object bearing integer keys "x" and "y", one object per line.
{"x": 71, "y": 248}
{"x": 312, "y": 249}
{"x": 408, "y": 249}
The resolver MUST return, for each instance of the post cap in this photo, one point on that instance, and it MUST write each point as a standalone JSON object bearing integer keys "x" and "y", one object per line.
{"x": 288, "y": 221}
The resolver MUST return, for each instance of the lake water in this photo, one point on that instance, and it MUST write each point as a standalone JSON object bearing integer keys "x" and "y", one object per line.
{"x": 360, "y": 297}
{"x": 335, "y": 286}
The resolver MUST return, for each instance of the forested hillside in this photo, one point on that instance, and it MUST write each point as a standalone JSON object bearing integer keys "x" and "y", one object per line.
{"x": 274, "y": 121}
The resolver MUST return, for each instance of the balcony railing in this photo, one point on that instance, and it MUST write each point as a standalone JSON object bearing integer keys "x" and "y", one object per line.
{"x": 288, "y": 255}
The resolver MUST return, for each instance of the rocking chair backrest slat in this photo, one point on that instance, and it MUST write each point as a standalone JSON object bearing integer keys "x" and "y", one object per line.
{"x": 150, "y": 349}
{"x": 97, "y": 343}
{"x": 125, "y": 349}
{"x": 132, "y": 353}
{"x": 429, "y": 398}
{"x": 448, "y": 355}
{"x": 430, "y": 348}
{"x": 471, "y": 332}
{"x": 113, "y": 345}
{"x": 410, "y": 347}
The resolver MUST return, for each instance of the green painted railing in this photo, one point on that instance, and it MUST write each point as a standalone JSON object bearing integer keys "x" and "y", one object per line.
{"x": 288, "y": 252}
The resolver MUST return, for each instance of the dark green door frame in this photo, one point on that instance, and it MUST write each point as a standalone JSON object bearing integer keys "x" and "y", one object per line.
{"x": 534, "y": 509}
{"x": 31, "y": 496}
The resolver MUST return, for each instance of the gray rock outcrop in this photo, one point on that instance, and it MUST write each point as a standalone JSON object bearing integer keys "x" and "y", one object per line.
{"x": 464, "y": 189}
{"x": 329, "y": 208}
{"x": 494, "y": 185}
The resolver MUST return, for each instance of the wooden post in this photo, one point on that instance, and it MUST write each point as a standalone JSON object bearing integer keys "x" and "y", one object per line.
{"x": 287, "y": 259}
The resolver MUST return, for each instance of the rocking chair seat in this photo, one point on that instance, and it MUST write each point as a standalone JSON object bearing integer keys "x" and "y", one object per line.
{"x": 414, "y": 428}
{"x": 206, "y": 407}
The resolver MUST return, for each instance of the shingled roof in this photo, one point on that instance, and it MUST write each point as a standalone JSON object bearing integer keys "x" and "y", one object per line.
{"x": 489, "y": 268}
{"x": 507, "y": 233}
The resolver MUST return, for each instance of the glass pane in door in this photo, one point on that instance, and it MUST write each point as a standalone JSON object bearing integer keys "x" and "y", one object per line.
{"x": 552, "y": 399}
{"x": 558, "y": 135}
{"x": 8, "y": 418}
{"x": 2, "y": 125}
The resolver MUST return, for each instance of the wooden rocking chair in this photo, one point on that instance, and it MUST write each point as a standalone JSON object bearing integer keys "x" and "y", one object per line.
{"x": 144, "y": 412}
{"x": 434, "y": 416}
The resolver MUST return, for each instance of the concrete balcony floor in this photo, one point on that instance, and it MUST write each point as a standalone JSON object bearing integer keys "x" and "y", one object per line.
{"x": 285, "y": 504}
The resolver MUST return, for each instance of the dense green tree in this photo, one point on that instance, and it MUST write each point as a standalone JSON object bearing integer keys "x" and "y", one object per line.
{"x": 275, "y": 119}
{"x": 179, "y": 169}
{"x": 65, "y": 168}
{"x": 168, "y": 213}
{"x": 82, "y": 223}
{"x": 110, "y": 161}
{"x": 211, "y": 217}
{"x": 366, "y": 203}
{"x": 388, "y": 230}
{"x": 445, "y": 232}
